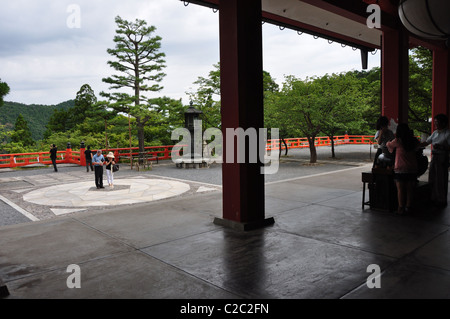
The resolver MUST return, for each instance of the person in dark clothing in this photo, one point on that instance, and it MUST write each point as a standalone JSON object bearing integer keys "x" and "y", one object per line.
{"x": 98, "y": 161}
{"x": 88, "y": 155}
{"x": 53, "y": 155}
{"x": 383, "y": 135}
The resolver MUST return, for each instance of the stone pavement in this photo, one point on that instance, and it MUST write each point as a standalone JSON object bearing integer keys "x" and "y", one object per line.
{"x": 71, "y": 190}
{"x": 320, "y": 246}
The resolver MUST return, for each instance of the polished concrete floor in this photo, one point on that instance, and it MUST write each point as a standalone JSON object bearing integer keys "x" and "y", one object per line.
{"x": 320, "y": 247}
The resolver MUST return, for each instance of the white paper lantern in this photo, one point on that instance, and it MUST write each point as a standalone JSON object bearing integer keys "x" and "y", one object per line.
{"x": 426, "y": 18}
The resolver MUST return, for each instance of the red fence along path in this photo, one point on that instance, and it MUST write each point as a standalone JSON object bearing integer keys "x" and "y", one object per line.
{"x": 160, "y": 152}
{"x": 70, "y": 156}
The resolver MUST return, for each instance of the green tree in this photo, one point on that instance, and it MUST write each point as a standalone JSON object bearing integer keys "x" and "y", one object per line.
{"x": 276, "y": 118}
{"x": 102, "y": 111}
{"x": 22, "y": 133}
{"x": 84, "y": 104}
{"x": 340, "y": 96}
{"x": 168, "y": 114}
{"x": 420, "y": 89}
{"x": 298, "y": 108}
{"x": 139, "y": 64}
{"x": 329, "y": 105}
{"x": 269, "y": 84}
{"x": 370, "y": 82}
{"x": 57, "y": 122}
{"x": 207, "y": 98}
{"x": 5, "y": 136}
{"x": 4, "y": 90}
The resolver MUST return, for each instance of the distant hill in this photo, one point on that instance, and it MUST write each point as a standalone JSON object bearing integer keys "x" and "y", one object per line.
{"x": 37, "y": 116}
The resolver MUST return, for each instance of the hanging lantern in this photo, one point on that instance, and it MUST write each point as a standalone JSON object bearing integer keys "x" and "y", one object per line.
{"x": 426, "y": 18}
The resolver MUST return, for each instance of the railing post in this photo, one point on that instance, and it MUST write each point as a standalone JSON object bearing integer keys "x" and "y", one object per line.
{"x": 166, "y": 152}
{"x": 68, "y": 158}
{"x": 82, "y": 155}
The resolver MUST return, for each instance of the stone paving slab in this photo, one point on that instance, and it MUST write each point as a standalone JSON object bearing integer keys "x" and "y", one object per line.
{"x": 51, "y": 245}
{"x": 51, "y": 197}
{"x": 318, "y": 248}
{"x": 131, "y": 275}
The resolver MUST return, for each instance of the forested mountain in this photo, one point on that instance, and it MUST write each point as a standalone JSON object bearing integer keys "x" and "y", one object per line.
{"x": 37, "y": 116}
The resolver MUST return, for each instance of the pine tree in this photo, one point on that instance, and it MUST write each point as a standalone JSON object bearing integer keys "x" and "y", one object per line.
{"x": 138, "y": 63}
{"x": 22, "y": 133}
{"x": 84, "y": 104}
{"x": 4, "y": 90}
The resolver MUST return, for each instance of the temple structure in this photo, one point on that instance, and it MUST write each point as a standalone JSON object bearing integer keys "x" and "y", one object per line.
{"x": 343, "y": 21}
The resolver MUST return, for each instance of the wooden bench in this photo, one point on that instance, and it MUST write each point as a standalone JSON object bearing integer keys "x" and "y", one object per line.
{"x": 383, "y": 191}
{"x": 366, "y": 178}
{"x": 147, "y": 161}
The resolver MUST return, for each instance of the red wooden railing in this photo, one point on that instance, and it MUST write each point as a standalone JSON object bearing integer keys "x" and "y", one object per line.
{"x": 161, "y": 152}
{"x": 302, "y": 142}
{"x": 77, "y": 157}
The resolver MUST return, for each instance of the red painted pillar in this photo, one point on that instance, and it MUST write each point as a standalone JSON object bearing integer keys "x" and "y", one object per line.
{"x": 242, "y": 107}
{"x": 82, "y": 155}
{"x": 68, "y": 157}
{"x": 441, "y": 83}
{"x": 395, "y": 75}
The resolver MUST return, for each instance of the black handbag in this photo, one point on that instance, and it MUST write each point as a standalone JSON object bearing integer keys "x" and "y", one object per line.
{"x": 115, "y": 167}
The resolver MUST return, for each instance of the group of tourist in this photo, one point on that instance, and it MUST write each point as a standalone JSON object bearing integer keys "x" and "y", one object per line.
{"x": 95, "y": 162}
{"x": 400, "y": 151}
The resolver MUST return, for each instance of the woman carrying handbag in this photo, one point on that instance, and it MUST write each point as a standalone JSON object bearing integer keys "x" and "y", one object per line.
{"x": 109, "y": 169}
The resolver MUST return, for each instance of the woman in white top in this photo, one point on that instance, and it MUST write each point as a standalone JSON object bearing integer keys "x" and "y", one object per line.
{"x": 438, "y": 171}
{"x": 109, "y": 170}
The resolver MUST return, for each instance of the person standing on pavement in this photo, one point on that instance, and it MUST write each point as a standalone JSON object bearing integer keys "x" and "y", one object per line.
{"x": 405, "y": 167}
{"x": 88, "y": 156}
{"x": 98, "y": 161}
{"x": 53, "y": 155}
{"x": 382, "y": 136}
{"x": 438, "y": 170}
{"x": 109, "y": 169}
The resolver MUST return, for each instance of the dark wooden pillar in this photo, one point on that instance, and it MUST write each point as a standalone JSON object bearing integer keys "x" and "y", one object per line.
{"x": 441, "y": 83}
{"x": 395, "y": 75}
{"x": 242, "y": 107}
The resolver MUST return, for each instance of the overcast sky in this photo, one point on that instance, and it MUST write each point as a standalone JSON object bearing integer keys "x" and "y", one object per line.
{"x": 45, "y": 58}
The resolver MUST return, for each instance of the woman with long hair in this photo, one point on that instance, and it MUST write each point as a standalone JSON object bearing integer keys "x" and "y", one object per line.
{"x": 405, "y": 167}
{"x": 382, "y": 136}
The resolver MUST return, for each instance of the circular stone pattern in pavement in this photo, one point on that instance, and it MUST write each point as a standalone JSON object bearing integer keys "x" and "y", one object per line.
{"x": 126, "y": 191}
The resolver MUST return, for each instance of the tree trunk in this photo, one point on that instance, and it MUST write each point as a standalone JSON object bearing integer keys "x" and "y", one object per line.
{"x": 333, "y": 155}
{"x": 285, "y": 147}
{"x": 141, "y": 138}
{"x": 131, "y": 151}
{"x": 312, "y": 149}
{"x": 106, "y": 135}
